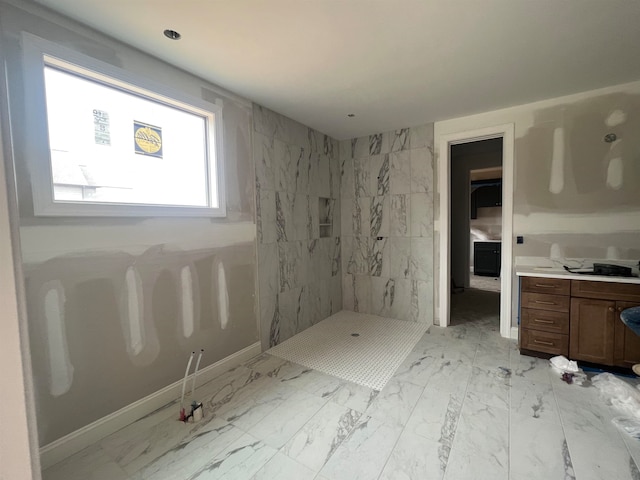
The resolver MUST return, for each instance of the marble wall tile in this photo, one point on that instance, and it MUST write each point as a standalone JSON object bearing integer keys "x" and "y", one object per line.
{"x": 263, "y": 154}
{"x": 318, "y": 301}
{"x": 347, "y": 180}
{"x": 362, "y": 177}
{"x": 383, "y": 291}
{"x": 421, "y": 215}
{"x": 344, "y": 149}
{"x": 422, "y": 301}
{"x": 269, "y": 321}
{"x": 401, "y": 307}
{"x": 267, "y": 227}
{"x": 400, "y": 172}
{"x": 421, "y": 170}
{"x": 362, "y": 216}
{"x": 335, "y": 172}
{"x": 420, "y": 136}
{"x": 360, "y": 251}
{"x": 324, "y": 176}
{"x": 335, "y": 252}
{"x": 377, "y": 256}
{"x": 360, "y": 147}
{"x": 379, "y": 143}
{"x": 288, "y": 158}
{"x": 284, "y": 217}
{"x": 379, "y": 165}
{"x": 400, "y": 140}
{"x": 421, "y": 258}
{"x": 335, "y": 292}
{"x": 267, "y": 122}
{"x": 336, "y": 218}
{"x": 399, "y": 215}
{"x": 379, "y": 216}
{"x": 362, "y": 294}
{"x": 348, "y": 292}
{"x": 313, "y": 221}
{"x": 293, "y": 264}
{"x": 320, "y": 257}
{"x": 294, "y": 312}
{"x": 399, "y": 257}
{"x": 268, "y": 270}
{"x": 346, "y": 216}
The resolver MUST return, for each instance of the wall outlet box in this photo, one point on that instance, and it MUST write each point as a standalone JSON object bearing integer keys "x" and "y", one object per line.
{"x": 519, "y": 239}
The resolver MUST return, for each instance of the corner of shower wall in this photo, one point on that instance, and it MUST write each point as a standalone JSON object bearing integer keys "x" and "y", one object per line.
{"x": 299, "y": 267}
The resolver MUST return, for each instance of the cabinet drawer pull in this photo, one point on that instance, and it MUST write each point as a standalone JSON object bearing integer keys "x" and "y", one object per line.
{"x": 540, "y": 320}
{"x": 541, "y": 342}
{"x": 542, "y": 285}
{"x": 542, "y": 302}
{"x": 611, "y": 309}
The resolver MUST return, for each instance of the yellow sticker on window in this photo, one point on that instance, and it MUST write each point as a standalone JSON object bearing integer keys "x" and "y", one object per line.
{"x": 148, "y": 139}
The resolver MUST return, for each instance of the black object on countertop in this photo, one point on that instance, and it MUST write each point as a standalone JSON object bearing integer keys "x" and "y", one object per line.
{"x": 605, "y": 269}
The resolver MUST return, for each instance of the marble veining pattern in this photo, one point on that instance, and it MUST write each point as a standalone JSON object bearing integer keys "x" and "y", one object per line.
{"x": 387, "y": 184}
{"x": 272, "y": 419}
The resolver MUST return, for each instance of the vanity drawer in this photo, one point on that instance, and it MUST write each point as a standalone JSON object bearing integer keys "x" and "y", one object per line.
{"x": 541, "y": 301}
{"x": 536, "y": 340}
{"x": 545, "y": 320}
{"x": 557, "y": 286}
{"x": 626, "y": 292}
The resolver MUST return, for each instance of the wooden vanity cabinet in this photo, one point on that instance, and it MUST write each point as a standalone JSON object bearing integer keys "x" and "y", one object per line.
{"x": 585, "y": 313}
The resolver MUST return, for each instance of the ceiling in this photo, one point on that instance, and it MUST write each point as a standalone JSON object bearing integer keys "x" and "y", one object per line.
{"x": 392, "y": 63}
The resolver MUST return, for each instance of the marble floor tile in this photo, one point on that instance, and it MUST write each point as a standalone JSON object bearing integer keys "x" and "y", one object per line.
{"x": 490, "y": 386}
{"x": 492, "y": 356}
{"x": 451, "y": 376}
{"x": 533, "y": 400}
{"x": 415, "y": 458}
{"x": 92, "y": 463}
{"x": 480, "y": 447}
{"x": 538, "y": 449}
{"x": 277, "y": 428}
{"x": 265, "y": 363}
{"x": 435, "y": 416}
{"x": 191, "y": 453}
{"x": 598, "y": 458}
{"x": 319, "y": 438}
{"x": 364, "y": 452}
{"x": 418, "y": 367}
{"x": 529, "y": 368}
{"x": 281, "y": 467}
{"x": 239, "y": 461}
{"x": 143, "y": 441}
{"x": 354, "y": 396}
{"x": 395, "y": 402}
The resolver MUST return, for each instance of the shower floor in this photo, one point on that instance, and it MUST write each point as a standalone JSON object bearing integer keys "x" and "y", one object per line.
{"x": 360, "y": 348}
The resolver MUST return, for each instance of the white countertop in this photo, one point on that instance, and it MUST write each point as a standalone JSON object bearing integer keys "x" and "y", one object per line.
{"x": 545, "y": 272}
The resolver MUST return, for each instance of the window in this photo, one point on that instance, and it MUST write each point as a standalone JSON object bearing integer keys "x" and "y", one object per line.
{"x": 116, "y": 144}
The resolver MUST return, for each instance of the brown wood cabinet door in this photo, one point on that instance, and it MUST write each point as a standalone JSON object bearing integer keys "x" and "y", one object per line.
{"x": 627, "y": 343}
{"x": 592, "y": 330}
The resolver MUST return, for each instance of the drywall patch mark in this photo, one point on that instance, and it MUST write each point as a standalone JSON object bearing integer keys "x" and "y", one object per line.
{"x": 223, "y": 297}
{"x": 615, "y": 171}
{"x": 556, "y": 252}
{"x": 556, "y": 181}
{"x": 615, "y": 118}
{"x": 134, "y": 310}
{"x": 60, "y": 367}
{"x": 186, "y": 281}
{"x": 613, "y": 253}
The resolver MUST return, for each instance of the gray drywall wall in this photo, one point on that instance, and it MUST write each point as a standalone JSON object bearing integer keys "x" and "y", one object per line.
{"x": 105, "y": 295}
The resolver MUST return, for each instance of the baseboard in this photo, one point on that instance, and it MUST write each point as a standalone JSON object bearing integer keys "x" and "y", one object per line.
{"x": 514, "y": 333}
{"x": 66, "y": 446}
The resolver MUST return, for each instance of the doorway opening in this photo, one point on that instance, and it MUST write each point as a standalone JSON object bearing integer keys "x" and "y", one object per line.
{"x": 456, "y": 236}
{"x": 476, "y": 233}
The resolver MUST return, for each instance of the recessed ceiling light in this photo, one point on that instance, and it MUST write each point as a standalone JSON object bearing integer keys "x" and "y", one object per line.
{"x": 172, "y": 34}
{"x": 351, "y": 115}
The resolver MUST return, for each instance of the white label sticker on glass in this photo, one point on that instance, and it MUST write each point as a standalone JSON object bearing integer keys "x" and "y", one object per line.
{"x": 101, "y": 127}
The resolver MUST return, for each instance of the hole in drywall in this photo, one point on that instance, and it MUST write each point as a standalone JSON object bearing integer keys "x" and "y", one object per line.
{"x": 355, "y": 334}
{"x": 172, "y": 34}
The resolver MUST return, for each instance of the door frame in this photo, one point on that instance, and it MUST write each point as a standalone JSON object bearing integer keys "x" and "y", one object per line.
{"x": 507, "y": 133}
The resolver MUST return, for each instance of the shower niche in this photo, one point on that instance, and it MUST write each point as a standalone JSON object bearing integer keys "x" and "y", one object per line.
{"x": 325, "y": 217}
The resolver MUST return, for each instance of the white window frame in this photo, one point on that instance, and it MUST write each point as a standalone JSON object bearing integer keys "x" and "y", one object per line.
{"x": 37, "y": 53}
